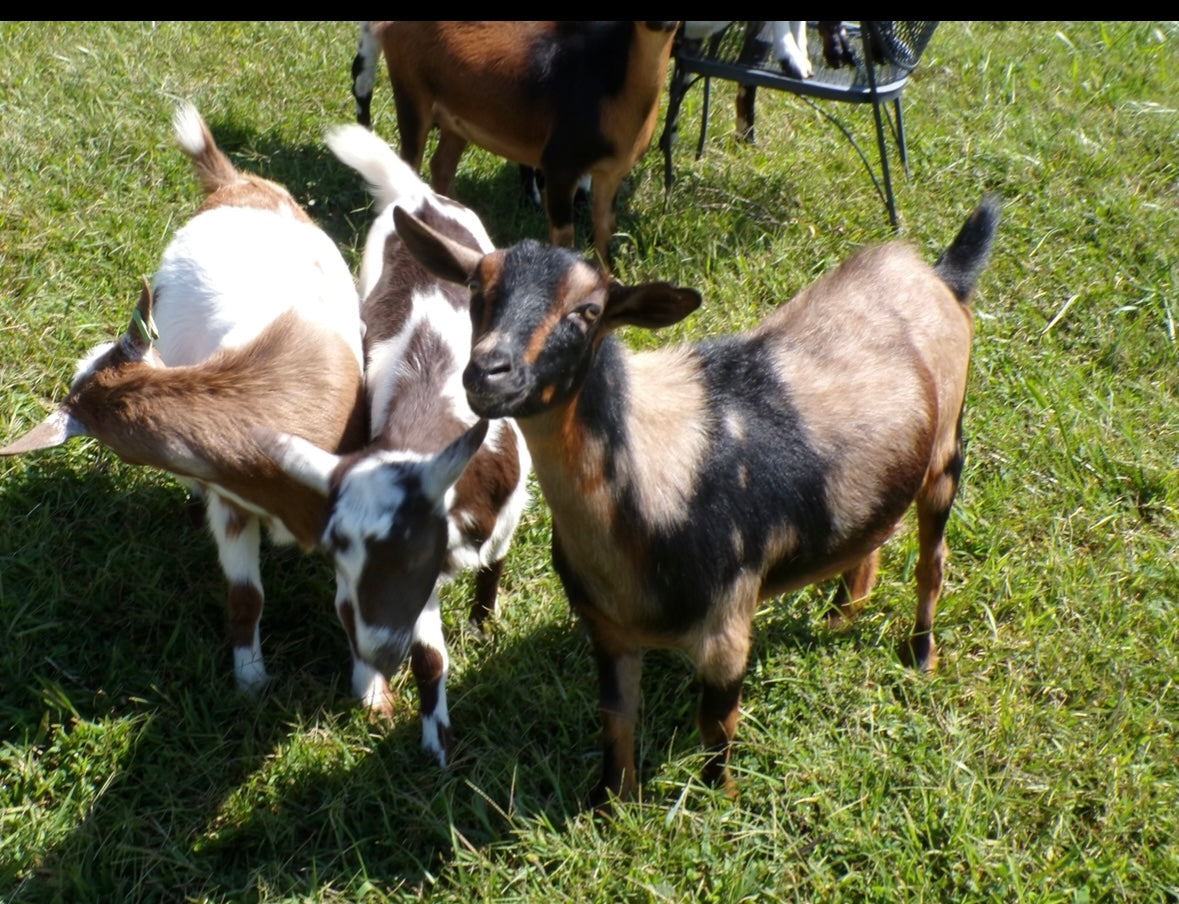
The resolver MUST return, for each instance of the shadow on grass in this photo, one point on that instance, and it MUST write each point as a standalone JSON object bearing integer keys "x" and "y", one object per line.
{"x": 119, "y": 707}
{"x": 121, "y": 711}
{"x": 188, "y": 788}
{"x": 337, "y": 200}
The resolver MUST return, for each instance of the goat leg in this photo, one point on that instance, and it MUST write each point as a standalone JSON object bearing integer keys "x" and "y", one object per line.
{"x": 486, "y": 591}
{"x": 618, "y": 700}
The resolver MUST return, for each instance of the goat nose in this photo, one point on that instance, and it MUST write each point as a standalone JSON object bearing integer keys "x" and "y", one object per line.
{"x": 486, "y": 370}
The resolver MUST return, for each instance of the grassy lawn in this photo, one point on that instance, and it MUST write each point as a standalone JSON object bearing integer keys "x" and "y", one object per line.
{"x": 1040, "y": 763}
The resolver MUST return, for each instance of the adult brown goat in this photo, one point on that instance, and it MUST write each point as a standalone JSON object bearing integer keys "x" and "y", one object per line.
{"x": 568, "y": 98}
{"x": 688, "y": 483}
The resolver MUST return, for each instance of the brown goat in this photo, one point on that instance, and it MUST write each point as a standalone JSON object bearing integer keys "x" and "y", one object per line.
{"x": 688, "y": 483}
{"x": 252, "y": 321}
{"x": 569, "y": 98}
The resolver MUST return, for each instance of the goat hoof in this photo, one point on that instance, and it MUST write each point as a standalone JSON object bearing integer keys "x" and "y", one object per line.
{"x": 920, "y": 653}
{"x": 438, "y": 741}
{"x": 378, "y": 707}
{"x": 839, "y": 617}
{"x": 717, "y": 775}
{"x": 605, "y": 796}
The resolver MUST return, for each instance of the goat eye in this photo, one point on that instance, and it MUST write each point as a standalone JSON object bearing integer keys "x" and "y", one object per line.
{"x": 589, "y": 312}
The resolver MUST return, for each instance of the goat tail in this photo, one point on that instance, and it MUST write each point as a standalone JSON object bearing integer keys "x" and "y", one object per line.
{"x": 962, "y": 263}
{"x": 213, "y": 168}
{"x": 390, "y": 179}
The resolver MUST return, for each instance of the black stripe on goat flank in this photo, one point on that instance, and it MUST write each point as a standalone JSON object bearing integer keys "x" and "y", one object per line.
{"x": 754, "y": 482}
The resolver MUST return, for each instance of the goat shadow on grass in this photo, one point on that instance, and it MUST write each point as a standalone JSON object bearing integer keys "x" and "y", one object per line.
{"x": 113, "y": 603}
{"x": 336, "y": 198}
{"x": 113, "y": 606}
{"x": 128, "y": 629}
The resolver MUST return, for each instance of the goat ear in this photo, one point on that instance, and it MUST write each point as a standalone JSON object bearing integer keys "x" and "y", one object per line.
{"x": 299, "y": 459}
{"x": 141, "y": 331}
{"x": 442, "y": 256}
{"x": 649, "y": 305}
{"x": 442, "y": 471}
{"x": 53, "y": 431}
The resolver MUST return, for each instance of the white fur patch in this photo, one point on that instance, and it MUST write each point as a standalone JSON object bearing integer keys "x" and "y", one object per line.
{"x": 304, "y": 461}
{"x": 789, "y": 43}
{"x": 239, "y": 552}
{"x": 430, "y": 311}
{"x": 391, "y": 181}
{"x": 231, "y": 271}
{"x": 428, "y": 628}
{"x": 372, "y": 640}
{"x": 249, "y": 671}
{"x": 432, "y": 727}
{"x": 428, "y": 632}
{"x": 87, "y": 363}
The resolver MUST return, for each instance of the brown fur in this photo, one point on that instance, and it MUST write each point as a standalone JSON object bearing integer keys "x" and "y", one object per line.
{"x": 225, "y": 186}
{"x": 477, "y": 82}
{"x": 189, "y": 420}
{"x": 848, "y": 400}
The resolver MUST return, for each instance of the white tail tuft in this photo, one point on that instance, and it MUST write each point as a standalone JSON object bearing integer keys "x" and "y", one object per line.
{"x": 189, "y": 129}
{"x": 390, "y": 179}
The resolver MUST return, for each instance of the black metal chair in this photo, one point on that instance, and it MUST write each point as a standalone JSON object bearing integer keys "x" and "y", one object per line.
{"x": 887, "y": 54}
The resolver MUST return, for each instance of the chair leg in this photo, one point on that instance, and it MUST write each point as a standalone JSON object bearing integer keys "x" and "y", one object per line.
{"x": 869, "y": 67}
{"x": 704, "y": 118}
{"x": 896, "y": 106}
{"x": 676, "y": 92}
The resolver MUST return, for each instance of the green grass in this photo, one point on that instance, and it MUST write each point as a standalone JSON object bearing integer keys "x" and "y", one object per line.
{"x": 1041, "y": 762}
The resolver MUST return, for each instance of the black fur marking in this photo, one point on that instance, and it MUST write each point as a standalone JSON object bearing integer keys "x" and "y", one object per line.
{"x": 752, "y": 483}
{"x": 962, "y": 263}
{"x": 560, "y": 68}
{"x": 532, "y": 274}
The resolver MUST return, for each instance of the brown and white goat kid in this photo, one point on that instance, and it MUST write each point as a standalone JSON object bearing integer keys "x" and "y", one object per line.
{"x": 688, "y": 483}
{"x": 568, "y": 98}
{"x": 258, "y": 326}
{"x": 399, "y": 523}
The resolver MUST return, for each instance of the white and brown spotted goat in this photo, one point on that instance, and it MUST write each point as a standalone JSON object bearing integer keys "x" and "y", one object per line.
{"x": 258, "y": 326}
{"x": 431, "y": 496}
{"x": 688, "y": 483}
{"x": 568, "y": 98}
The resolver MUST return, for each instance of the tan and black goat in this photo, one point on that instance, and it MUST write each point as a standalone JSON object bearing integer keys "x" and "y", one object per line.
{"x": 688, "y": 483}
{"x": 568, "y": 98}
